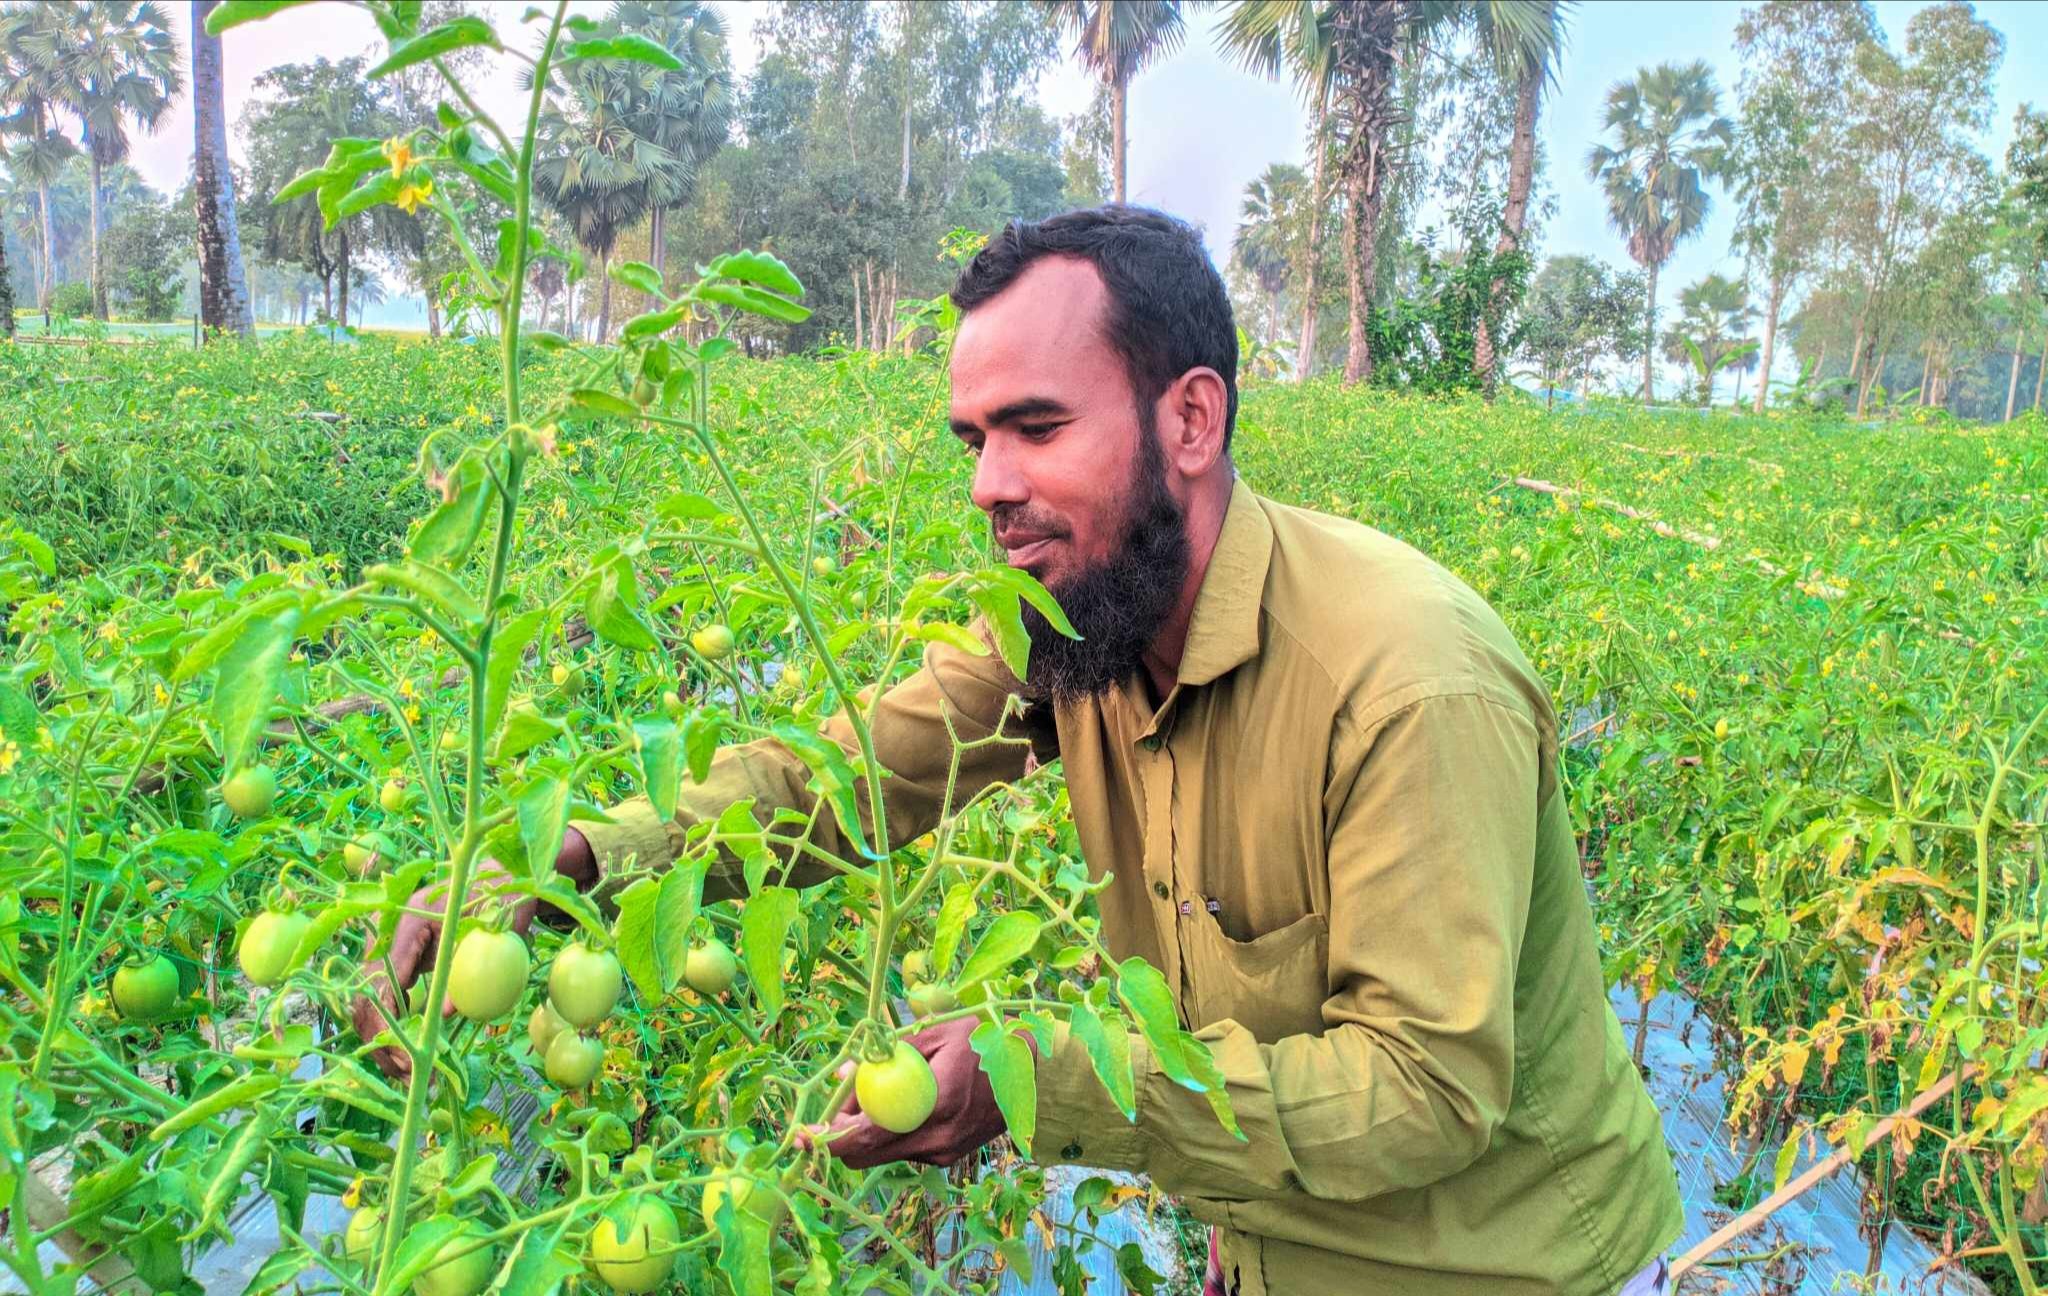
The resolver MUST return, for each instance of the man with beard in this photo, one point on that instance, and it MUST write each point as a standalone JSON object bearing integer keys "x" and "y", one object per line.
{"x": 1323, "y": 780}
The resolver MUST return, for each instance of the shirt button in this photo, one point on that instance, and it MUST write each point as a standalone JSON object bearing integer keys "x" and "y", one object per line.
{"x": 1159, "y": 889}
{"x": 1071, "y": 1151}
{"x": 1150, "y": 744}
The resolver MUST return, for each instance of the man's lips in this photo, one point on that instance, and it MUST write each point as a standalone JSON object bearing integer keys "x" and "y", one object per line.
{"x": 1022, "y": 550}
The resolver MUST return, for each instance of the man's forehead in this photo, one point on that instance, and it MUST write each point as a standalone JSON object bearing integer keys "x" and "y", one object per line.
{"x": 1043, "y": 331}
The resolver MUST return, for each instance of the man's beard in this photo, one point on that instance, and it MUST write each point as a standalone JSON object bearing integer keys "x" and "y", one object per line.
{"x": 1119, "y": 605}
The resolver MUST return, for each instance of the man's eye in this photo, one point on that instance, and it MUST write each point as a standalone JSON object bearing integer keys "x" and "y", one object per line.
{"x": 1037, "y": 431}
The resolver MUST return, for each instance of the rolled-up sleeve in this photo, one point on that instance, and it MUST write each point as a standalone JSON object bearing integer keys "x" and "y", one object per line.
{"x": 1431, "y": 813}
{"x": 912, "y": 741}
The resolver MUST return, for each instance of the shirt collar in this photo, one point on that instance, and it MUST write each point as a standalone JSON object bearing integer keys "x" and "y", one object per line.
{"x": 1223, "y": 631}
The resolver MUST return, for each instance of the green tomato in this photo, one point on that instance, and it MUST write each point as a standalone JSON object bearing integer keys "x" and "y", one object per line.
{"x": 917, "y": 966}
{"x": 567, "y": 679}
{"x": 459, "y": 1275}
{"x": 145, "y": 990}
{"x": 644, "y": 392}
{"x": 672, "y": 704}
{"x": 639, "y": 1257}
{"x": 709, "y": 968}
{"x": 746, "y": 1194}
{"x": 822, "y": 565}
{"x": 584, "y": 984}
{"x": 928, "y": 997}
{"x": 395, "y": 796}
{"x": 359, "y": 1243}
{"x": 897, "y": 1092}
{"x": 250, "y": 792}
{"x": 269, "y": 944}
{"x": 714, "y": 642}
{"x": 543, "y": 1026}
{"x": 573, "y": 1060}
{"x": 489, "y": 974}
{"x": 361, "y": 853}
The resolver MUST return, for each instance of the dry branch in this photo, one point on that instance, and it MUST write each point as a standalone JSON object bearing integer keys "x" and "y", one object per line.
{"x": 1702, "y": 454}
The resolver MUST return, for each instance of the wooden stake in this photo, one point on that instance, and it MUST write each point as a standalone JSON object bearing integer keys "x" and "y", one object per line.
{"x": 1813, "y": 1174}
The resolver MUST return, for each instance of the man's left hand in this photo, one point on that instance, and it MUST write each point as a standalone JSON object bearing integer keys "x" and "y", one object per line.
{"x": 966, "y": 1116}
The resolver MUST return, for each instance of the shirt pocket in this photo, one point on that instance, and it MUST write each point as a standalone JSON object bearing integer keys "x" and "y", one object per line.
{"x": 1273, "y": 985}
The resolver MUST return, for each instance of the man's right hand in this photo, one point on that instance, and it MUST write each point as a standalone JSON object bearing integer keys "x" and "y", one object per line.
{"x": 417, "y": 937}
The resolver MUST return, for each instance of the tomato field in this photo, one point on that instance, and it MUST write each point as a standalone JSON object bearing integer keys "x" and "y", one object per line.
{"x": 300, "y": 636}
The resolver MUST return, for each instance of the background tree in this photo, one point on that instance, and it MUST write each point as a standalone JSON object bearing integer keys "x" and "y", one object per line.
{"x": 1116, "y": 40}
{"x": 145, "y": 253}
{"x": 2026, "y": 217}
{"x": 1521, "y": 41}
{"x": 1797, "y": 59}
{"x": 1263, "y": 249}
{"x": 1579, "y": 311}
{"x": 1713, "y": 322}
{"x": 118, "y": 65}
{"x": 32, "y": 91}
{"x": 223, "y": 283}
{"x": 1909, "y": 140}
{"x": 1668, "y": 139}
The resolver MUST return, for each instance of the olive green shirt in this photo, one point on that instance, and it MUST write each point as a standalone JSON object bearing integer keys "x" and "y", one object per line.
{"x": 1342, "y": 838}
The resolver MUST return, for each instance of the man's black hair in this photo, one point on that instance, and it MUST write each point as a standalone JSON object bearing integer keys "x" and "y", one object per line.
{"x": 1168, "y": 311}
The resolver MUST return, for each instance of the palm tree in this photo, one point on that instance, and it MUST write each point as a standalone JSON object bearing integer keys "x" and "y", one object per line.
{"x": 596, "y": 172}
{"x": 223, "y": 287}
{"x": 1669, "y": 138}
{"x": 687, "y": 112}
{"x": 1270, "y": 37}
{"x": 1267, "y": 232}
{"x": 1712, "y": 330}
{"x": 31, "y": 92}
{"x": 118, "y": 63}
{"x": 1116, "y": 40}
{"x": 1522, "y": 41}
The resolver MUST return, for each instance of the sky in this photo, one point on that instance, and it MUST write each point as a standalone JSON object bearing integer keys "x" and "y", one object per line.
{"x": 1200, "y": 129}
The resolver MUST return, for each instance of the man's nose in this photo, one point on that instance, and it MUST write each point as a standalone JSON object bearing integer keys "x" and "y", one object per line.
{"x": 998, "y": 478}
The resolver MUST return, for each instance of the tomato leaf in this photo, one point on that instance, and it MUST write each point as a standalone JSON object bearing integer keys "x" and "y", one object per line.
{"x": 751, "y": 300}
{"x": 603, "y": 402}
{"x": 203, "y": 654}
{"x": 508, "y": 645}
{"x": 655, "y": 323}
{"x": 833, "y": 777}
{"x": 538, "y": 1264}
{"x": 637, "y": 49}
{"x": 639, "y": 276}
{"x": 701, "y": 730}
{"x": 661, "y": 762}
{"x": 1007, "y": 939}
{"x": 950, "y": 926}
{"x": 740, "y": 832}
{"x": 543, "y": 815}
{"x": 745, "y": 1246}
{"x": 610, "y": 608}
{"x": 421, "y": 1249}
{"x": 440, "y": 590}
{"x": 634, "y": 934}
{"x": 675, "y": 910}
{"x": 1145, "y": 996}
{"x": 764, "y": 931}
{"x": 233, "y": 13}
{"x": 760, "y": 268}
{"x": 1006, "y": 1061}
{"x": 238, "y": 1092}
{"x": 445, "y": 537}
{"x": 1108, "y": 1041}
{"x": 455, "y": 34}
{"x": 249, "y": 673}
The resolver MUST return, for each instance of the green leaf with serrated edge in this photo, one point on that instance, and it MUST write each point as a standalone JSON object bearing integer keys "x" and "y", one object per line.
{"x": 950, "y": 926}
{"x": 1002, "y": 612}
{"x": 1007, "y": 1062}
{"x": 716, "y": 348}
{"x": 637, "y": 49}
{"x": 610, "y": 608}
{"x": 834, "y": 777}
{"x": 19, "y": 718}
{"x": 277, "y": 1272}
{"x": 447, "y": 534}
{"x": 1144, "y": 995}
{"x": 675, "y": 909}
{"x": 661, "y": 762}
{"x": 39, "y": 553}
{"x": 701, "y": 729}
{"x": 688, "y": 506}
{"x": 764, "y": 931}
{"x": 1788, "y": 1156}
{"x": 455, "y": 34}
{"x": 543, "y": 815}
{"x": 208, "y": 649}
{"x": 639, "y": 276}
{"x": 302, "y": 184}
{"x": 952, "y": 635}
{"x": 1007, "y": 939}
{"x": 437, "y": 587}
{"x": 420, "y": 1250}
{"x": 760, "y": 268}
{"x": 383, "y": 188}
{"x": 538, "y": 1264}
{"x": 241, "y": 1091}
{"x": 249, "y": 673}
{"x": 1108, "y": 1042}
{"x": 233, "y": 13}
{"x": 1209, "y": 1076}
{"x": 1027, "y": 587}
{"x": 655, "y": 323}
{"x": 544, "y": 339}
{"x": 739, "y": 832}
{"x": 603, "y": 402}
{"x": 490, "y": 179}
{"x": 745, "y": 1247}
{"x": 634, "y": 937}
{"x": 751, "y": 300}
{"x": 508, "y": 646}
{"x": 250, "y": 1141}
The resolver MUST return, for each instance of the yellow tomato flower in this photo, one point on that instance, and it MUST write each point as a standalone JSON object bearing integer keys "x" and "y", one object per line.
{"x": 413, "y": 194}
{"x": 399, "y": 150}
{"x": 9, "y": 754}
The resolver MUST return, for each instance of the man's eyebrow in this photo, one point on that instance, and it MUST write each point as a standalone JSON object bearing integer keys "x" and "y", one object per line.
{"x": 1015, "y": 411}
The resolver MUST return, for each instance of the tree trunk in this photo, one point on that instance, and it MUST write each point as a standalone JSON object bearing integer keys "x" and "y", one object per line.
{"x": 1763, "y": 373}
{"x": 1305, "y": 341}
{"x": 98, "y": 220}
{"x": 657, "y": 252}
{"x": 2012, "y": 384}
{"x": 909, "y": 29}
{"x": 1737, "y": 404}
{"x": 859, "y": 318}
{"x": 49, "y": 254}
{"x": 2041, "y": 371}
{"x": 223, "y": 285}
{"x": 1856, "y": 352}
{"x": 327, "y": 294}
{"x": 1119, "y": 141}
{"x": 6, "y": 295}
{"x": 1273, "y": 314}
{"x": 1650, "y": 340}
{"x": 1514, "y": 218}
{"x": 434, "y": 316}
{"x": 341, "y": 293}
{"x": 1926, "y": 368}
{"x": 604, "y": 299}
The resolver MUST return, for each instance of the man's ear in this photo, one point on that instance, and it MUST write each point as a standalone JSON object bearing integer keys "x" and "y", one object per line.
{"x": 1193, "y": 413}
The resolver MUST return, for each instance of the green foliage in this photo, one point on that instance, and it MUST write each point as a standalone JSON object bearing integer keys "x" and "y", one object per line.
{"x": 1426, "y": 340}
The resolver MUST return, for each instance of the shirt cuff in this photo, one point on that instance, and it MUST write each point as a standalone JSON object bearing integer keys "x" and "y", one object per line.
{"x": 1078, "y": 1122}
{"x": 635, "y": 833}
